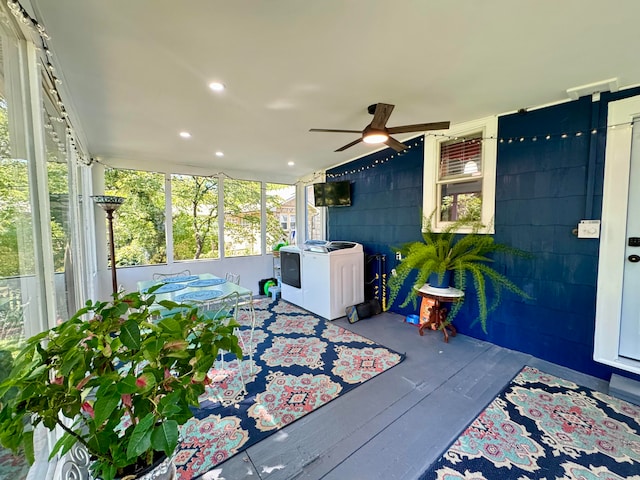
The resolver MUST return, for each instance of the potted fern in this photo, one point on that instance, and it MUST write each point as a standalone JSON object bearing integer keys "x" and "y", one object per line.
{"x": 447, "y": 254}
{"x": 117, "y": 379}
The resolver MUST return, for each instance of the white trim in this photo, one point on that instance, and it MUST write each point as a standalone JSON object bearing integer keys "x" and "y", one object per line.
{"x": 488, "y": 128}
{"x": 168, "y": 222}
{"x": 613, "y": 235}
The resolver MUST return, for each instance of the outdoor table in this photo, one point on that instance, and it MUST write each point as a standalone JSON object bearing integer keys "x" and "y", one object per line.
{"x": 438, "y": 312}
{"x": 177, "y": 288}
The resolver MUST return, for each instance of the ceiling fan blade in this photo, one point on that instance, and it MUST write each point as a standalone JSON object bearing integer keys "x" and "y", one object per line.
{"x": 381, "y": 115}
{"x": 333, "y": 130}
{"x": 419, "y": 127}
{"x": 355, "y": 142}
{"x": 395, "y": 144}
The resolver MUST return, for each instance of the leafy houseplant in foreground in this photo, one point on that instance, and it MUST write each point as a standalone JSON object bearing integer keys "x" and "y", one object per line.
{"x": 116, "y": 378}
{"x": 461, "y": 254}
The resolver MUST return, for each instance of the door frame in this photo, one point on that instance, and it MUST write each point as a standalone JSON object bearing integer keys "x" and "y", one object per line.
{"x": 613, "y": 234}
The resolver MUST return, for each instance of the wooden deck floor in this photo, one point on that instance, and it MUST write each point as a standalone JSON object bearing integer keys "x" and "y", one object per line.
{"x": 398, "y": 423}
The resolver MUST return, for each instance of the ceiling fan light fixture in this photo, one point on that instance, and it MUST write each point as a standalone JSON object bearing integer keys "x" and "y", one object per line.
{"x": 373, "y": 135}
{"x": 375, "y": 138}
{"x": 377, "y": 132}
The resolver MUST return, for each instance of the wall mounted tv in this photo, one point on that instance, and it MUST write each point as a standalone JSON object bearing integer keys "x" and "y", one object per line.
{"x": 332, "y": 194}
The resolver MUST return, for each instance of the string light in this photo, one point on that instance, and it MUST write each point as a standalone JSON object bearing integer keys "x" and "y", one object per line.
{"x": 23, "y": 17}
{"x": 519, "y": 139}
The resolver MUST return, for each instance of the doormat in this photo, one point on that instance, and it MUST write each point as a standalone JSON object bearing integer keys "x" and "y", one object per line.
{"x": 300, "y": 363}
{"x": 542, "y": 426}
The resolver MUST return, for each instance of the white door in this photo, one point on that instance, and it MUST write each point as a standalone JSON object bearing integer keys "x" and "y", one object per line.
{"x": 617, "y": 332}
{"x": 630, "y": 318}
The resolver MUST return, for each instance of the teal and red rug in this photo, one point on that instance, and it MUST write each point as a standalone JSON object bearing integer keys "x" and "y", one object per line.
{"x": 12, "y": 466}
{"x": 544, "y": 427}
{"x": 300, "y": 363}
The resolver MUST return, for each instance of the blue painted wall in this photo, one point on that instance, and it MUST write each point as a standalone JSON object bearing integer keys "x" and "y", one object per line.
{"x": 386, "y": 201}
{"x": 544, "y": 187}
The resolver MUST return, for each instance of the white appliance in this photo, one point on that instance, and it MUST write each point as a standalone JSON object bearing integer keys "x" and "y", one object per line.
{"x": 291, "y": 274}
{"x": 330, "y": 276}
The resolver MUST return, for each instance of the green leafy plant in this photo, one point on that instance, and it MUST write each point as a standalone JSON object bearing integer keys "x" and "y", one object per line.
{"x": 117, "y": 378}
{"x": 461, "y": 254}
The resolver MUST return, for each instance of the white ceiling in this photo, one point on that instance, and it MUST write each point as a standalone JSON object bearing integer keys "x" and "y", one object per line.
{"x": 135, "y": 72}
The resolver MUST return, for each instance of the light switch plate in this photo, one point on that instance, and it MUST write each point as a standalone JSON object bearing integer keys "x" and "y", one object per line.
{"x": 589, "y": 229}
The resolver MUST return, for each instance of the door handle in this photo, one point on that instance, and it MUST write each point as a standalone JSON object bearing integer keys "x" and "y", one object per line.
{"x": 634, "y": 258}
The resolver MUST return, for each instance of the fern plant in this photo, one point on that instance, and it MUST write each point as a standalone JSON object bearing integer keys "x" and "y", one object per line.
{"x": 444, "y": 251}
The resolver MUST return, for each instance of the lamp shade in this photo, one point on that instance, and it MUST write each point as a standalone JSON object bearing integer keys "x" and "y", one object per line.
{"x": 108, "y": 202}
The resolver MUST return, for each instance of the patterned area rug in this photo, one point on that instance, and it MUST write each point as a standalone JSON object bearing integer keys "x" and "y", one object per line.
{"x": 544, "y": 427}
{"x": 300, "y": 362}
{"x": 13, "y": 467}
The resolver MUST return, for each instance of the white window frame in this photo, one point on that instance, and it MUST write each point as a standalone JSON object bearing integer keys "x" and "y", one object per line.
{"x": 488, "y": 129}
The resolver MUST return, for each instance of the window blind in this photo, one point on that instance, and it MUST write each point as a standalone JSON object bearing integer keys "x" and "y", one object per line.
{"x": 462, "y": 157}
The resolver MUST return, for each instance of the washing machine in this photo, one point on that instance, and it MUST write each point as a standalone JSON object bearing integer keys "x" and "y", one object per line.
{"x": 291, "y": 274}
{"x": 323, "y": 277}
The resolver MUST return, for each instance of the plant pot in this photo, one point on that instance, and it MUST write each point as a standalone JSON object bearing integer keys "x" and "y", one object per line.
{"x": 445, "y": 283}
{"x": 162, "y": 469}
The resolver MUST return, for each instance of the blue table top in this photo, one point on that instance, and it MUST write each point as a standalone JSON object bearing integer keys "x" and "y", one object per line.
{"x": 183, "y": 278}
{"x": 168, "y": 287}
{"x": 207, "y": 282}
{"x": 199, "y": 295}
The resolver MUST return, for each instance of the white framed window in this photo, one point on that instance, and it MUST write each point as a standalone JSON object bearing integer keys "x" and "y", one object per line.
{"x": 460, "y": 173}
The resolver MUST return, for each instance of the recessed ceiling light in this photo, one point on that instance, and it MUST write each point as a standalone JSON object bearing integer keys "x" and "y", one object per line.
{"x": 216, "y": 86}
{"x": 291, "y": 163}
{"x": 219, "y": 154}
{"x": 185, "y": 134}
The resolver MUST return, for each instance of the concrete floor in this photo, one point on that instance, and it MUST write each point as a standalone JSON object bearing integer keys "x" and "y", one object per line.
{"x": 397, "y": 424}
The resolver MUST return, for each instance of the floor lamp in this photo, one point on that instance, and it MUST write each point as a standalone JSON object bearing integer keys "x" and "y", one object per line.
{"x": 110, "y": 203}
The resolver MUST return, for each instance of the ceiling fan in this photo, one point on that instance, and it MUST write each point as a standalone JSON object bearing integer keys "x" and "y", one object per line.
{"x": 377, "y": 131}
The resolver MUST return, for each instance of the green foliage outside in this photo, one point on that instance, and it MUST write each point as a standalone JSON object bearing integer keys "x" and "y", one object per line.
{"x": 15, "y": 219}
{"x": 276, "y": 196}
{"x": 242, "y": 200}
{"x": 139, "y": 224}
{"x": 195, "y": 217}
{"x": 469, "y": 206}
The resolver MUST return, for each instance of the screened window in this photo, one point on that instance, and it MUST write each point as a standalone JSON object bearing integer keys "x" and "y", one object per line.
{"x": 59, "y": 210}
{"x": 139, "y": 224}
{"x": 242, "y": 215}
{"x": 459, "y": 174}
{"x": 17, "y": 268}
{"x": 315, "y": 216}
{"x": 281, "y": 206}
{"x": 23, "y": 311}
{"x": 194, "y": 203}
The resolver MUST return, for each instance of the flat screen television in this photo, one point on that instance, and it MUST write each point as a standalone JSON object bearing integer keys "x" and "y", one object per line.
{"x": 332, "y": 194}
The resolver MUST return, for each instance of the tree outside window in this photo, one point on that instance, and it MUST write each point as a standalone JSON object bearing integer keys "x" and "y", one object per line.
{"x": 139, "y": 226}
{"x": 242, "y": 218}
{"x": 194, "y": 202}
